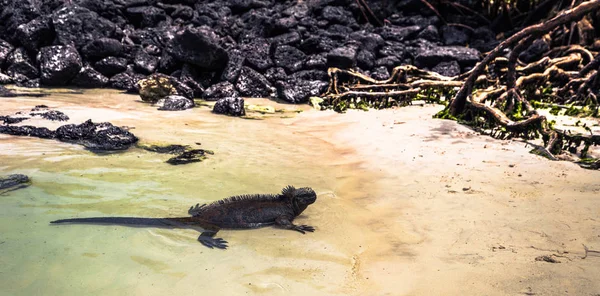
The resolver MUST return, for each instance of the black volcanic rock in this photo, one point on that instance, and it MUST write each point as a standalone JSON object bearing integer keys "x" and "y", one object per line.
{"x": 253, "y": 84}
{"x": 102, "y": 47}
{"x": 219, "y": 91}
{"x": 58, "y": 64}
{"x": 5, "y": 50}
{"x": 342, "y": 57}
{"x": 174, "y": 103}
{"x": 289, "y": 58}
{"x": 76, "y": 25}
{"x": 89, "y": 78}
{"x": 19, "y": 65}
{"x": 257, "y": 54}
{"x": 110, "y": 66}
{"x": 144, "y": 63}
{"x": 36, "y": 33}
{"x": 199, "y": 48}
{"x": 230, "y": 106}
{"x": 299, "y": 91}
{"x": 96, "y": 136}
{"x": 145, "y": 16}
{"x": 464, "y": 56}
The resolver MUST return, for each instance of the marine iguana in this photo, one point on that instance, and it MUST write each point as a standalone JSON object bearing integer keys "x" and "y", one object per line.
{"x": 236, "y": 212}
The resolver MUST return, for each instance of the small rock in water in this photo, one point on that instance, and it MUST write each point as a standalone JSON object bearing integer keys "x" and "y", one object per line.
{"x": 14, "y": 180}
{"x": 190, "y": 156}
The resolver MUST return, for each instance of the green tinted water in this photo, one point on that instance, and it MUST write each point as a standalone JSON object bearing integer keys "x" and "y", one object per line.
{"x": 251, "y": 156}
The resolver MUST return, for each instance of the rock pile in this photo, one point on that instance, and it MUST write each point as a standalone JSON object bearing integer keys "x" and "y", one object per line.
{"x": 224, "y": 48}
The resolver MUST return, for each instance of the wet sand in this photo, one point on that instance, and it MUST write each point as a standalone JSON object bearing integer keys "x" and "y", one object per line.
{"x": 408, "y": 205}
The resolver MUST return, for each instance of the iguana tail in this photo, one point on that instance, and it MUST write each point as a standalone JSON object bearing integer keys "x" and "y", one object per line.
{"x": 134, "y": 221}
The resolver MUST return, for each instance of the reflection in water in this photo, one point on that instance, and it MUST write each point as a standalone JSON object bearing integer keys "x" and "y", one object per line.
{"x": 250, "y": 157}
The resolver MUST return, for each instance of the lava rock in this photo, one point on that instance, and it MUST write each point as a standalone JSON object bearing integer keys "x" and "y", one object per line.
{"x": 337, "y": 15}
{"x": 96, "y": 136}
{"x": 101, "y": 48}
{"x": 20, "y": 67}
{"x": 76, "y": 25}
{"x": 465, "y": 57}
{"x": 174, "y": 103}
{"x": 190, "y": 156}
{"x": 253, "y": 84}
{"x": 275, "y": 74}
{"x": 127, "y": 81}
{"x": 450, "y": 69}
{"x": 27, "y": 130}
{"x": 192, "y": 79}
{"x": 257, "y": 54}
{"x": 230, "y": 106}
{"x": 14, "y": 181}
{"x": 368, "y": 41}
{"x": 156, "y": 87}
{"x": 291, "y": 38}
{"x": 234, "y": 65}
{"x": 144, "y": 63}
{"x": 58, "y": 64}
{"x": 110, "y": 66}
{"x": 365, "y": 59}
{"x": 399, "y": 33}
{"x": 145, "y": 16}
{"x": 89, "y": 78}
{"x": 342, "y": 57}
{"x": 380, "y": 73}
{"x": 5, "y": 50}
{"x": 535, "y": 51}
{"x": 220, "y": 90}
{"x": 11, "y": 120}
{"x": 316, "y": 61}
{"x": 199, "y": 48}
{"x": 452, "y": 35}
{"x": 310, "y": 75}
{"x": 36, "y": 33}
{"x": 289, "y": 58}
{"x": 299, "y": 91}
{"x": 430, "y": 33}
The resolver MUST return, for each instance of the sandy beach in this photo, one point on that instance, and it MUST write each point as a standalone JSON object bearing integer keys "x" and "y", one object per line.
{"x": 408, "y": 205}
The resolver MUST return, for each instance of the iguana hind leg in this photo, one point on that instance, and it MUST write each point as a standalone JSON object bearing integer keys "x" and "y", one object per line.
{"x": 208, "y": 239}
{"x": 286, "y": 223}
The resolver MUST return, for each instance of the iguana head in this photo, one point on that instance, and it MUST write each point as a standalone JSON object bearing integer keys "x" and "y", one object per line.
{"x": 300, "y": 198}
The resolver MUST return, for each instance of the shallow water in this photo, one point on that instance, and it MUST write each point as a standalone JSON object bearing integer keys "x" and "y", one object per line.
{"x": 407, "y": 205}
{"x": 251, "y": 156}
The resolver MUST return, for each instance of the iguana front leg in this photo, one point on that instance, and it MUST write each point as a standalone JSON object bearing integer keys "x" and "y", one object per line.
{"x": 207, "y": 238}
{"x": 286, "y": 222}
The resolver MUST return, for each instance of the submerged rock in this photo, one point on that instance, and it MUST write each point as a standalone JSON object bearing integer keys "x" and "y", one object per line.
{"x": 230, "y": 106}
{"x": 14, "y": 181}
{"x": 174, "y": 103}
{"x": 195, "y": 155}
{"x": 96, "y": 136}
